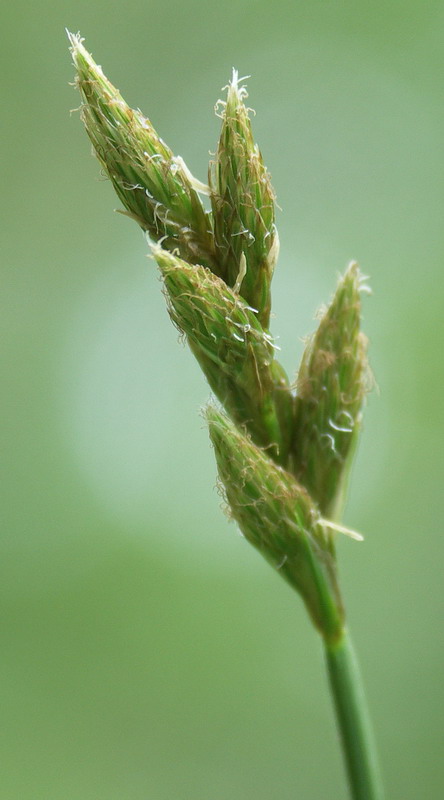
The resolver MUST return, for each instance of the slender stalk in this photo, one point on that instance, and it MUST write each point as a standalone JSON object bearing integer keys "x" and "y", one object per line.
{"x": 353, "y": 720}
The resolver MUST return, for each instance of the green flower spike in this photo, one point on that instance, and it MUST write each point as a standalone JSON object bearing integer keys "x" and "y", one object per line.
{"x": 242, "y": 200}
{"x": 283, "y": 457}
{"x": 156, "y": 188}
{"x": 332, "y": 383}
{"x": 234, "y": 351}
{"x": 279, "y": 518}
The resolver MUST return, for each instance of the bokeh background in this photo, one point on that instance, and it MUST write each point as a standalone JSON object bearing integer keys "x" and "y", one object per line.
{"x": 147, "y": 653}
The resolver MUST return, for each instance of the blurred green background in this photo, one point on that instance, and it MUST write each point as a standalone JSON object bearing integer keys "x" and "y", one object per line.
{"x": 146, "y": 651}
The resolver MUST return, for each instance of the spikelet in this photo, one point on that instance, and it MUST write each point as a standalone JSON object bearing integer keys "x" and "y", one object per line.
{"x": 332, "y": 383}
{"x": 155, "y": 187}
{"x": 278, "y": 517}
{"x": 243, "y": 207}
{"x": 234, "y": 351}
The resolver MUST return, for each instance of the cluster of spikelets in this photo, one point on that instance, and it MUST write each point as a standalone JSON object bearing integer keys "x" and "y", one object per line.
{"x": 282, "y": 454}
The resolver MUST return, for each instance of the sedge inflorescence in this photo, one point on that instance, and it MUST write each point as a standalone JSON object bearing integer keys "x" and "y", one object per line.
{"x": 283, "y": 455}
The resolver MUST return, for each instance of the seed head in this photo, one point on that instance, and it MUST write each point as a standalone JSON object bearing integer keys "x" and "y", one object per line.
{"x": 278, "y": 517}
{"x": 243, "y": 207}
{"x": 283, "y": 459}
{"x": 332, "y": 384}
{"x": 154, "y": 186}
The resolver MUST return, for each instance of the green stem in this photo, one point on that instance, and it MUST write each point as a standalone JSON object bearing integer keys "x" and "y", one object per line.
{"x": 353, "y": 720}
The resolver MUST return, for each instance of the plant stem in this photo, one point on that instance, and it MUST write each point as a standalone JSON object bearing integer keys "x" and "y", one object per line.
{"x": 353, "y": 720}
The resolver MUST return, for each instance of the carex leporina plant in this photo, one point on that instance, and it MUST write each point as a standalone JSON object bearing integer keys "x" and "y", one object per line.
{"x": 283, "y": 449}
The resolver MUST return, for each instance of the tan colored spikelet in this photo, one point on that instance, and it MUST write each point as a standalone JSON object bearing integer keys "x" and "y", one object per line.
{"x": 278, "y": 517}
{"x": 234, "y": 351}
{"x": 332, "y": 383}
{"x": 243, "y": 207}
{"x": 154, "y": 186}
